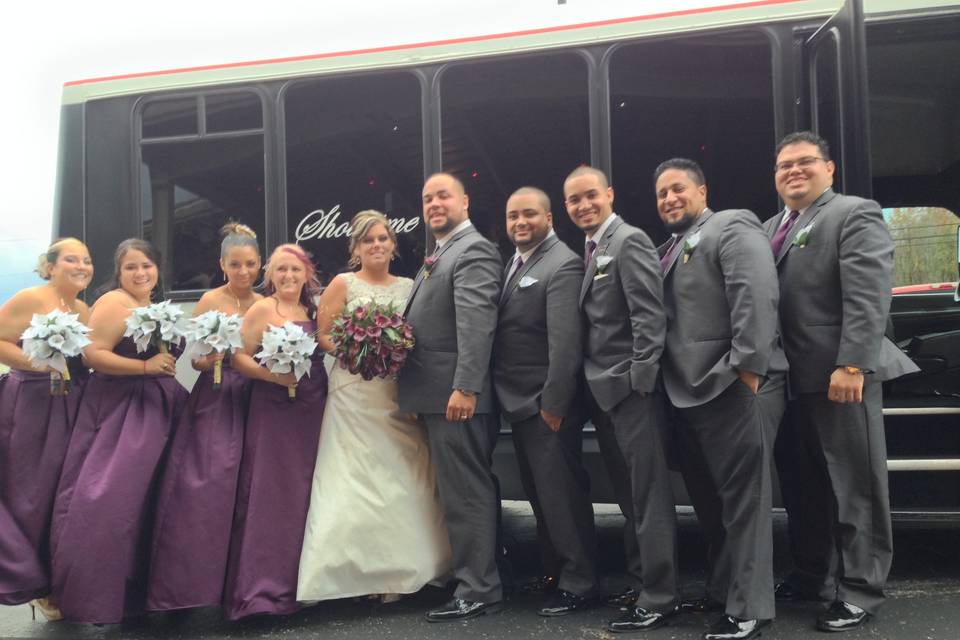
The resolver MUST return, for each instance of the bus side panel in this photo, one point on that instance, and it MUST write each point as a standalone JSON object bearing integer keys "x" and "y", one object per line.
{"x": 68, "y": 193}
{"x": 110, "y": 211}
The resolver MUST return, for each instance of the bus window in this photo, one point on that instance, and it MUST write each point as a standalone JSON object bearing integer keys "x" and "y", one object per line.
{"x": 167, "y": 118}
{"x": 193, "y": 184}
{"x": 925, "y": 241}
{"x": 706, "y": 98}
{"x": 354, "y": 143}
{"x": 515, "y": 122}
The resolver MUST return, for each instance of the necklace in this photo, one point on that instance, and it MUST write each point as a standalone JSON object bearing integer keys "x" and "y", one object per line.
{"x": 235, "y": 297}
{"x": 282, "y": 314}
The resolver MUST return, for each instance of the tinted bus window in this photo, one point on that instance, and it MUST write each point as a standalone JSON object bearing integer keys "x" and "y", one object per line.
{"x": 354, "y": 143}
{"x": 709, "y": 99}
{"x": 516, "y": 122}
{"x": 189, "y": 187}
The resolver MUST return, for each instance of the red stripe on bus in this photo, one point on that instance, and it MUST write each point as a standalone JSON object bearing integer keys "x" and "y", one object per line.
{"x": 436, "y": 43}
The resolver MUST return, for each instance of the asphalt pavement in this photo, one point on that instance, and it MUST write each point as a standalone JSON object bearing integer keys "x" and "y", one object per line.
{"x": 924, "y": 600}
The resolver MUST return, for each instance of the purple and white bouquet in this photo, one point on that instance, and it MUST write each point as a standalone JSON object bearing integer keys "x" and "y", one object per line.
{"x": 49, "y": 340}
{"x": 161, "y": 324}
{"x": 213, "y": 331}
{"x": 372, "y": 340}
{"x": 287, "y": 349}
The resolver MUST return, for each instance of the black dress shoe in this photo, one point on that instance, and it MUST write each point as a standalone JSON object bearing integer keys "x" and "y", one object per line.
{"x": 623, "y": 600}
{"x": 842, "y": 616}
{"x": 786, "y": 592}
{"x": 639, "y": 619}
{"x": 460, "y": 609}
{"x": 730, "y": 628}
{"x": 543, "y": 584}
{"x": 701, "y": 605}
{"x": 564, "y": 602}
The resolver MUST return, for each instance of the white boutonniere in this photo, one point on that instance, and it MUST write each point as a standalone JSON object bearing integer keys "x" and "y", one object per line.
{"x": 603, "y": 261}
{"x": 689, "y": 245}
{"x": 526, "y": 281}
{"x": 800, "y": 240}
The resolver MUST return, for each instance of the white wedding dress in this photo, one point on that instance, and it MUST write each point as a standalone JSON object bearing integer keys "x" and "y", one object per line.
{"x": 374, "y": 524}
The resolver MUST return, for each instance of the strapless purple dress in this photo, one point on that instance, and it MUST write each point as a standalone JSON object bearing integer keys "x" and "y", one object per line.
{"x": 35, "y": 429}
{"x": 197, "y": 494}
{"x": 279, "y": 453}
{"x": 103, "y": 515}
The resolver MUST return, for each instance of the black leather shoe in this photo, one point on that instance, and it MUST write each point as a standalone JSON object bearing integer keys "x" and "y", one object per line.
{"x": 730, "y": 628}
{"x": 842, "y": 616}
{"x": 786, "y": 592}
{"x": 460, "y": 609}
{"x": 639, "y": 619}
{"x": 564, "y": 602}
{"x": 623, "y": 600}
{"x": 543, "y": 584}
{"x": 701, "y": 605}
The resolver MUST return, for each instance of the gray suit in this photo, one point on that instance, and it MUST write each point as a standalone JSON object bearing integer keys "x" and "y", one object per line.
{"x": 623, "y": 306}
{"x": 831, "y": 457}
{"x": 537, "y": 358}
{"x": 453, "y": 312}
{"x": 721, "y": 296}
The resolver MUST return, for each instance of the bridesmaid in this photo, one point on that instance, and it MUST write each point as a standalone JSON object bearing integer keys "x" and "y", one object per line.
{"x": 35, "y": 426}
{"x": 279, "y": 451}
{"x": 195, "y": 508}
{"x": 102, "y": 516}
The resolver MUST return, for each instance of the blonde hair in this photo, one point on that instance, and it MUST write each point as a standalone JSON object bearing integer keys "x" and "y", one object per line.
{"x": 49, "y": 257}
{"x": 237, "y": 234}
{"x": 359, "y": 228}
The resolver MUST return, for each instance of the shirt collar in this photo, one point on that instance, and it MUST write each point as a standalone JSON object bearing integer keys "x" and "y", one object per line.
{"x": 787, "y": 210}
{"x": 457, "y": 229}
{"x": 602, "y": 229}
{"x": 526, "y": 254}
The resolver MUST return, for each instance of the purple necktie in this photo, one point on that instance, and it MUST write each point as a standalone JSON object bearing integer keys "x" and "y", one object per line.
{"x": 776, "y": 243}
{"x": 517, "y": 265}
{"x": 668, "y": 255}
{"x": 591, "y": 246}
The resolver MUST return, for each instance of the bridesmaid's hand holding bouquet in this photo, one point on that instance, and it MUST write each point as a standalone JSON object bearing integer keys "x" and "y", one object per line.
{"x": 49, "y": 340}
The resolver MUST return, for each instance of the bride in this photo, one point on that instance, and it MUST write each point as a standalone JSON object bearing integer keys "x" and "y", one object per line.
{"x": 374, "y": 524}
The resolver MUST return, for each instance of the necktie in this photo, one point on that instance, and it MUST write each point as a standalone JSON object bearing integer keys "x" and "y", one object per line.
{"x": 668, "y": 255}
{"x": 776, "y": 243}
{"x": 591, "y": 247}
{"x": 517, "y": 265}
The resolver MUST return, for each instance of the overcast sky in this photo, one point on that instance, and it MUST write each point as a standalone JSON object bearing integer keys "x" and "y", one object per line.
{"x": 44, "y": 45}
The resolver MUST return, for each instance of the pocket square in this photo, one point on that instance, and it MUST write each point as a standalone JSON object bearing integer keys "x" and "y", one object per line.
{"x": 526, "y": 281}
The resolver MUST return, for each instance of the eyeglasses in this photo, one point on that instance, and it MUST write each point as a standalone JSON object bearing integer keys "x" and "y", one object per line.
{"x": 803, "y": 163}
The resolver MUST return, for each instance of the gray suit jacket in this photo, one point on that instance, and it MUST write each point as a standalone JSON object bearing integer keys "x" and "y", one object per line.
{"x": 453, "y": 312}
{"x": 835, "y": 292}
{"x": 721, "y": 308}
{"x": 538, "y": 350}
{"x": 623, "y": 306}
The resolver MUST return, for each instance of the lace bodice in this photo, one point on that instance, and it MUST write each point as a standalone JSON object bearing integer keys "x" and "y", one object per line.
{"x": 360, "y": 292}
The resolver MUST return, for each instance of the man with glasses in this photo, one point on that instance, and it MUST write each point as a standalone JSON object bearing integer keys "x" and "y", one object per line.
{"x": 834, "y": 256}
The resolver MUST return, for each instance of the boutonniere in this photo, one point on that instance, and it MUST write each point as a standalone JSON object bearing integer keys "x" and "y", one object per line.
{"x": 800, "y": 240}
{"x": 689, "y": 245}
{"x": 603, "y": 261}
{"x": 428, "y": 263}
{"x": 526, "y": 281}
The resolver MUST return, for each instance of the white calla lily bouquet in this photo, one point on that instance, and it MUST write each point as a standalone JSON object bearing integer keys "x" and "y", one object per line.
{"x": 213, "y": 331}
{"x": 49, "y": 340}
{"x": 287, "y": 349}
{"x": 161, "y": 325}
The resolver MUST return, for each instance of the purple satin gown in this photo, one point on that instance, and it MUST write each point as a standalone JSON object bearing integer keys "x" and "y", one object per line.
{"x": 35, "y": 429}
{"x": 102, "y": 519}
{"x": 197, "y": 494}
{"x": 280, "y": 450}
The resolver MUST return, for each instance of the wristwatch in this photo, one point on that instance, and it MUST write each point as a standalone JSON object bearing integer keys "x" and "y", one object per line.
{"x": 853, "y": 370}
{"x": 467, "y": 392}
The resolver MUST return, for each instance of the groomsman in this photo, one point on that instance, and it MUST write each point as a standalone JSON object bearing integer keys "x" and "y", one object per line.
{"x": 537, "y": 360}
{"x": 622, "y": 301}
{"x": 724, "y": 372}
{"x": 834, "y": 255}
{"x": 453, "y": 311}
